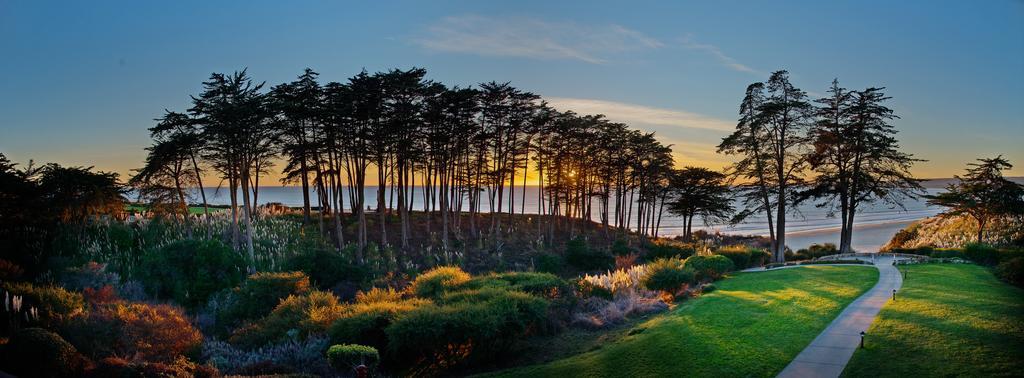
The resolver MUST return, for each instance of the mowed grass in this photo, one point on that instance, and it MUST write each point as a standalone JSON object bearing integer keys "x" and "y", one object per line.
{"x": 753, "y": 325}
{"x": 947, "y": 320}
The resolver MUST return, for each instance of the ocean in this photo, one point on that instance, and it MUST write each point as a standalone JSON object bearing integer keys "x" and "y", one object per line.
{"x": 874, "y": 225}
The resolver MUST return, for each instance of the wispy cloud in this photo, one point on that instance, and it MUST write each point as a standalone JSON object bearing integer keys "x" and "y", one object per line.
{"x": 532, "y": 38}
{"x": 689, "y": 42}
{"x": 640, "y": 114}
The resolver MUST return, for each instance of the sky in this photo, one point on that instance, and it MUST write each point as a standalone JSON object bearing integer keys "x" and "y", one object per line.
{"x": 80, "y": 82}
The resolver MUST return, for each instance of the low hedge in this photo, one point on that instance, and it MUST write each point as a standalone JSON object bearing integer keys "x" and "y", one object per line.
{"x": 434, "y": 282}
{"x": 346, "y": 357}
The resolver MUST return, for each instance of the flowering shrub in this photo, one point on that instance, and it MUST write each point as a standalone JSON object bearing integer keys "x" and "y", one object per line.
{"x": 297, "y": 356}
{"x": 377, "y": 294}
{"x": 10, "y": 271}
{"x": 434, "y": 282}
{"x": 156, "y": 333}
{"x": 120, "y": 367}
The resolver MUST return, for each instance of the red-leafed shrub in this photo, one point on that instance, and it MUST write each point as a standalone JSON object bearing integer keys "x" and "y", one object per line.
{"x": 158, "y": 333}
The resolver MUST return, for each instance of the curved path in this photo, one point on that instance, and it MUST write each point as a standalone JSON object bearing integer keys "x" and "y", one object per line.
{"x": 829, "y": 353}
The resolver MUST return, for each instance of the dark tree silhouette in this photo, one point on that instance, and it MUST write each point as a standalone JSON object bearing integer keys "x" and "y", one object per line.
{"x": 983, "y": 194}
{"x": 699, "y": 192}
{"x": 856, "y": 156}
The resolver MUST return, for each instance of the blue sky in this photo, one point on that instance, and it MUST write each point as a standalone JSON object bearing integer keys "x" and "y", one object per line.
{"x": 81, "y": 81}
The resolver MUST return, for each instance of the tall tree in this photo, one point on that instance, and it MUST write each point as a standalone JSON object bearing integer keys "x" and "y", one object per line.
{"x": 856, "y": 156}
{"x": 983, "y": 194}
{"x": 699, "y": 192}
{"x": 299, "y": 104}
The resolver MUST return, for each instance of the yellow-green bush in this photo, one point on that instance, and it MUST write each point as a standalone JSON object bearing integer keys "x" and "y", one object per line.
{"x": 668, "y": 275}
{"x": 259, "y": 294}
{"x": 364, "y": 323}
{"x": 54, "y": 304}
{"x": 434, "y": 282}
{"x": 296, "y": 316}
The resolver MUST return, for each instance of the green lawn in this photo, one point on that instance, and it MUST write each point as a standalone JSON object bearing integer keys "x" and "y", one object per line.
{"x": 753, "y": 325}
{"x": 948, "y": 320}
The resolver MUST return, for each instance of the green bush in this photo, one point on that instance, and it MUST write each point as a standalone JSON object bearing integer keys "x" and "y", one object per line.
{"x": 465, "y": 332}
{"x": 549, "y": 263}
{"x": 947, "y": 253}
{"x": 1012, "y": 271}
{"x": 326, "y": 267}
{"x": 759, "y": 257}
{"x": 297, "y": 316}
{"x": 620, "y": 247}
{"x": 982, "y": 254}
{"x": 589, "y": 290}
{"x": 542, "y": 284}
{"x": 190, "y": 271}
{"x": 346, "y": 357}
{"x": 739, "y": 254}
{"x": 259, "y": 294}
{"x": 666, "y": 248}
{"x": 709, "y": 267}
{"x": 434, "y": 282}
{"x": 668, "y": 275}
{"x": 365, "y": 323}
{"x": 54, "y": 304}
{"x": 584, "y": 258}
{"x": 815, "y": 251}
{"x": 36, "y": 352}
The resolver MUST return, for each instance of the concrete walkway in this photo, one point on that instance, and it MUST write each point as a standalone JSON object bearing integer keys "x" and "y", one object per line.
{"x": 829, "y": 353}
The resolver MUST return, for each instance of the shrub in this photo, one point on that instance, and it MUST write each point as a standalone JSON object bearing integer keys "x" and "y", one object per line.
{"x": 346, "y": 357}
{"x": 293, "y": 356}
{"x": 463, "y": 333}
{"x": 759, "y": 257}
{"x": 365, "y": 323}
{"x": 326, "y": 267}
{"x": 434, "y": 282}
{"x": 620, "y": 247}
{"x": 584, "y": 258}
{"x": 549, "y": 263}
{"x": 120, "y": 367}
{"x": 709, "y": 267}
{"x": 588, "y": 289}
{"x": 151, "y": 332}
{"x": 667, "y": 275}
{"x": 739, "y": 254}
{"x": 982, "y": 254}
{"x": 91, "y": 275}
{"x": 666, "y": 248}
{"x": 1012, "y": 271}
{"x": 10, "y": 271}
{"x": 53, "y": 304}
{"x": 36, "y": 352}
{"x": 376, "y": 295}
{"x": 190, "y": 271}
{"x": 815, "y": 251}
{"x": 296, "y": 316}
{"x": 543, "y": 284}
{"x": 259, "y": 294}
